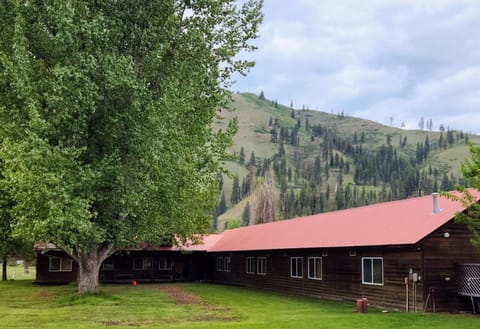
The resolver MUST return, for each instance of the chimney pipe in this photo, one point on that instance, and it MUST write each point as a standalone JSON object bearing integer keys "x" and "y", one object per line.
{"x": 436, "y": 210}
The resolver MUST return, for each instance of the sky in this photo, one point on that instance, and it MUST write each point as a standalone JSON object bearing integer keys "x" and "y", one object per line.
{"x": 390, "y": 61}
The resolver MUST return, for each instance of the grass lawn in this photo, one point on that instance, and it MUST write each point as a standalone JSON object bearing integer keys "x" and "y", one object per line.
{"x": 25, "y": 305}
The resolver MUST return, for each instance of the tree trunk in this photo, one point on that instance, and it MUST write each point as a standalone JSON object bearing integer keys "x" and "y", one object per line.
{"x": 89, "y": 268}
{"x": 26, "y": 267}
{"x": 4, "y": 269}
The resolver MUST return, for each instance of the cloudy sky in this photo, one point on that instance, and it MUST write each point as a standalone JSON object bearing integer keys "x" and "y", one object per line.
{"x": 375, "y": 59}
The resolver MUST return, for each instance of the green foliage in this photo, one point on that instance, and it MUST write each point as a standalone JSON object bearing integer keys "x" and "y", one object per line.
{"x": 106, "y": 115}
{"x": 246, "y": 215}
{"x": 233, "y": 223}
{"x": 468, "y": 197}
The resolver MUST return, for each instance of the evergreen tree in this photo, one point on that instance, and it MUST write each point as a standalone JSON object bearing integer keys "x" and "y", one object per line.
{"x": 246, "y": 215}
{"x": 317, "y": 170}
{"x": 220, "y": 181}
{"x": 450, "y": 138}
{"x": 235, "y": 197}
{"x": 261, "y": 96}
{"x": 426, "y": 147}
{"x": 244, "y": 187}
{"x": 421, "y": 124}
{"x": 273, "y": 133}
{"x": 252, "y": 162}
{"x": 241, "y": 156}
{"x": 222, "y": 204}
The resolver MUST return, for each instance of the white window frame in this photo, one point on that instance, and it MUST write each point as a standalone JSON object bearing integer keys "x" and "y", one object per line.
{"x": 227, "y": 264}
{"x": 262, "y": 265}
{"x": 64, "y": 264}
{"x": 219, "y": 264}
{"x": 296, "y": 260}
{"x": 164, "y": 262}
{"x": 250, "y": 265}
{"x": 109, "y": 264}
{"x": 315, "y": 260}
{"x": 371, "y": 259}
{"x": 144, "y": 261}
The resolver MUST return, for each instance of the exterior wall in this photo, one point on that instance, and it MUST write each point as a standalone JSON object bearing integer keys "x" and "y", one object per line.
{"x": 441, "y": 257}
{"x": 43, "y": 275}
{"x": 341, "y": 277}
{"x": 187, "y": 266}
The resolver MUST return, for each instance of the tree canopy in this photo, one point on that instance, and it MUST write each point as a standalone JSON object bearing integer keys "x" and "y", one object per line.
{"x": 105, "y": 118}
{"x": 471, "y": 217}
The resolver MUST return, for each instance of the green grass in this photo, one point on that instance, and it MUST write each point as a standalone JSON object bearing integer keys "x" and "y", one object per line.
{"x": 16, "y": 272}
{"x": 25, "y": 305}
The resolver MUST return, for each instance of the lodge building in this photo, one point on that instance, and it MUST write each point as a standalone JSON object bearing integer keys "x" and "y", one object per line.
{"x": 405, "y": 255}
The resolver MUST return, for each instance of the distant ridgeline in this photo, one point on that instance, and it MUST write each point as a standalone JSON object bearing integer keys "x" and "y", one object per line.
{"x": 321, "y": 162}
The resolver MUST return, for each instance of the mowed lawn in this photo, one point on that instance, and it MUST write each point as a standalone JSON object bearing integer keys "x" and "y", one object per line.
{"x": 194, "y": 305}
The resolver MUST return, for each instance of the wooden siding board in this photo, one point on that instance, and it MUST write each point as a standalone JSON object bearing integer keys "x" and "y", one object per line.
{"x": 441, "y": 256}
{"x": 43, "y": 275}
{"x": 341, "y": 277}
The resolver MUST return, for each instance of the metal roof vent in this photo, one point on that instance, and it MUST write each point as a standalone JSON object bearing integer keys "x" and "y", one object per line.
{"x": 436, "y": 210}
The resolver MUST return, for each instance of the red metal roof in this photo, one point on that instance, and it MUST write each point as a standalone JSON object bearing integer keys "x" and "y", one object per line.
{"x": 400, "y": 222}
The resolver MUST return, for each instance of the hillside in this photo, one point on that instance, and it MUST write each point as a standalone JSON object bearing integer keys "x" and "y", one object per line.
{"x": 312, "y": 161}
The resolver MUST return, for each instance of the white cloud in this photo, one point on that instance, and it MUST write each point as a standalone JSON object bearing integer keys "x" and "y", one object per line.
{"x": 376, "y": 58}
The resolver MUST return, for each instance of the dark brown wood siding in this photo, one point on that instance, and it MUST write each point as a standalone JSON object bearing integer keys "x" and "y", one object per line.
{"x": 441, "y": 257}
{"x": 43, "y": 275}
{"x": 341, "y": 277}
{"x": 187, "y": 266}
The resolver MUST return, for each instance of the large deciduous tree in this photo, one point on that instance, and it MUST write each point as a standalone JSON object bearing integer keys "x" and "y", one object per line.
{"x": 105, "y": 118}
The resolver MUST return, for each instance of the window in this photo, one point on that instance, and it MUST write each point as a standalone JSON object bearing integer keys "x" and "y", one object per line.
{"x": 372, "y": 270}
{"x": 227, "y": 264}
{"x": 296, "y": 267}
{"x": 315, "y": 268}
{"x": 142, "y": 263}
{"x": 219, "y": 263}
{"x": 262, "y": 265}
{"x": 54, "y": 264}
{"x": 108, "y": 264}
{"x": 59, "y": 264}
{"x": 224, "y": 264}
{"x": 147, "y": 263}
{"x": 251, "y": 265}
{"x": 165, "y": 263}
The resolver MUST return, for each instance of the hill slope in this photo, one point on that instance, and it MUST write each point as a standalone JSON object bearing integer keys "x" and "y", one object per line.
{"x": 316, "y": 161}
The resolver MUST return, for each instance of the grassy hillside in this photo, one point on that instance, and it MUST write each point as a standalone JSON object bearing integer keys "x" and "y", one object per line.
{"x": 334, "y": 136}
